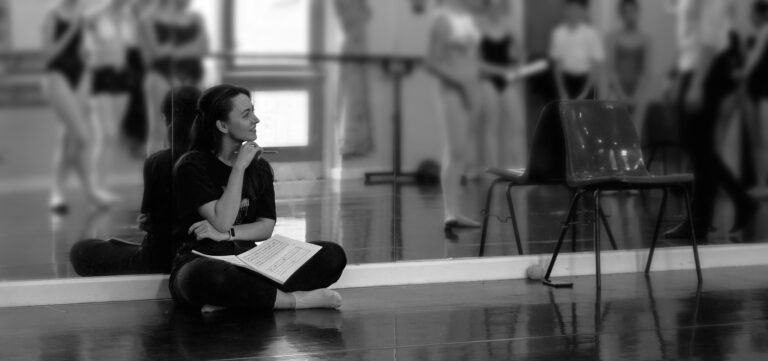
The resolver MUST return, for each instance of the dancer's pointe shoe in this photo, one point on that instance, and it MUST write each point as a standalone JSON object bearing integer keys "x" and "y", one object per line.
{"x": 460, "y": 222}
{"x": 58, "y": 205}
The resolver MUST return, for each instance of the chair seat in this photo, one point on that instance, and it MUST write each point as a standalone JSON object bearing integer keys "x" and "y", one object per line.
{"x": 622, "y": 182}
{"x": 508, "y": 174}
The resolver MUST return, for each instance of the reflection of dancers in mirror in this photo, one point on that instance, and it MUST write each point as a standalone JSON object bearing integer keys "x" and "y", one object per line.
{"x": 225, "y": 200}
{"x": 175, "y": 43}
{"x": 453, "y": 60}
{"x": 628, "y": 57}
{"x": 96, "y": 257}
{"x": 504, "y": 124}
{"x": 63, "y": 35}
{"x": 755, "y": 80}
{"x": 111, "y": 32}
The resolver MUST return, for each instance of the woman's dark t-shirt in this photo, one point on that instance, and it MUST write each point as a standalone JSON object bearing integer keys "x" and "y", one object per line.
{"x": 200, "y": 178}
{"x": 157, "y": 204}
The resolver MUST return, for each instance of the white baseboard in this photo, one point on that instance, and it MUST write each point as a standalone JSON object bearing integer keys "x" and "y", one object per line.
{"x": 132, "y": 288}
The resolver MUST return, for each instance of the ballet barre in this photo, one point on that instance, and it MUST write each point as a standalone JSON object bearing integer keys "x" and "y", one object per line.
{"x": 397, "y": 67}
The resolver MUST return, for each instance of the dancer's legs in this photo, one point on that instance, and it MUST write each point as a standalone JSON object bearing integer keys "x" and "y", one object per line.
{"x": 456, "y": 118}
{"x": 109, "y": 111}
{"x": 72, "y": 151}
{"x": 490, "y": 131}
{"x": 155, "y": 88}
{"x": 515, "y": 143}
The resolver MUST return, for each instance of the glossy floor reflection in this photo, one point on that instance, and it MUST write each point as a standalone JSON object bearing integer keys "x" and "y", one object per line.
{"x": 35, "y": 245}
{"x": 662, "y": 318}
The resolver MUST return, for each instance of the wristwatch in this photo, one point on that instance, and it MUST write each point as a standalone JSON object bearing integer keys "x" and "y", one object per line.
{"x": 231, "y": 233}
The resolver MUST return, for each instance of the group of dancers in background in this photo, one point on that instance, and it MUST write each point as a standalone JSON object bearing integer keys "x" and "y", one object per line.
{"x": 105, "y": 60}
{"x": 475, "y": 59}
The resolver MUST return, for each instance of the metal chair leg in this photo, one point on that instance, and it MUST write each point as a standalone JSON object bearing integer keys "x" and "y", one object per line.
{"x": 563, "y": 230}
{"x": 693, "y": 235}
{"x": 574, "y": 228}
{"x": 608, "y": 229}
{"x": 596, "y": 237}
{"x": 514, "y": 218}
{"x": 486, "y": 215}
{"x": 656, "y": 230}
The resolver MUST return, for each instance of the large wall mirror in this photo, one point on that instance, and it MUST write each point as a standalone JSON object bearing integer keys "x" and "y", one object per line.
{"x": 342, "y": 99}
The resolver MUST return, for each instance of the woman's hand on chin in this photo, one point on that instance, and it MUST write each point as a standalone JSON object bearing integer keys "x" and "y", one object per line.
{"x": 248, "y": 151}
{"x": 204, "y": 230}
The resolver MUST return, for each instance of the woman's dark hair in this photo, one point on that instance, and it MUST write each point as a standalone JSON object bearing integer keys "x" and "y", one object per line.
{"x": 179, "y": 107}
{"x": 216, "y": 104}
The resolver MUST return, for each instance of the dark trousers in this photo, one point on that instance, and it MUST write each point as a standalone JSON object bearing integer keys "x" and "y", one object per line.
{"x": 698, "y": 127}
{"x": 204, "y": 281}
{"x": 96, "y": 257}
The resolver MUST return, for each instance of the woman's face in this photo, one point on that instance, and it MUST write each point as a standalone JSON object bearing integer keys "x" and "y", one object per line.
{"x": 241, "y": 122}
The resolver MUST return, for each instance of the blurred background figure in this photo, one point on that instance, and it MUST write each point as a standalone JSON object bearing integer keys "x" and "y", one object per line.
{"x": 503, "y": 130}
{"x": 175, "y": 41}
{"x": 578, "y": 53}
{"x": 755, "y": 80}
{"x": 63, "y": 35}
{"x": 111, "y": 34}
{"x": 453, "y": 59}
{"x": 355, "y": 130}
{"x": 96, "y": 257}
{"x": 629, "y": 59}
{"x": 706, "y": 71}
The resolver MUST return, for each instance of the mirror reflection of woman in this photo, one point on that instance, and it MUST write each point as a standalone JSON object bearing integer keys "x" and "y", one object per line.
{"x": 225, "y": 200}
{"x": 175, "y": 41}
{"x": 503, "y": 130}
{"x": 453, "y": 59}
{"x": 63, "y": 33}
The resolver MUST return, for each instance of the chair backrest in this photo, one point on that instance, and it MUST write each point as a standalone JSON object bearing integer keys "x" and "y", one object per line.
{"x": 546, "y": 162}
{"x": 600, "y": 141}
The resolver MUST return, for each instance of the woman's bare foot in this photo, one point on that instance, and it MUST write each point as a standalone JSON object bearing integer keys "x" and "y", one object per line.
{"x": 322, "y": 298}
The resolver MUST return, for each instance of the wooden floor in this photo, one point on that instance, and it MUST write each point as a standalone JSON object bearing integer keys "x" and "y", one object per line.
{"x": 662, "y": 318}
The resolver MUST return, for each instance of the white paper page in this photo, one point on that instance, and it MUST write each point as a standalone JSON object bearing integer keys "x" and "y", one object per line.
{"x": 279, "y": 257}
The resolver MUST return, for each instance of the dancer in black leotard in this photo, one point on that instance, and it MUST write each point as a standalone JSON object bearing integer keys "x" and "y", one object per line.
{"x": 503, "y": 126}
{"x": 175, "y": 41}
{"x": 63, "y": 34}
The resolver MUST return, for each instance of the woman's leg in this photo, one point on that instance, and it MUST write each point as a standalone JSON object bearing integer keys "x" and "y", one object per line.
{"x": 155, "y": 88}
{"x": 455, "y": 117}
{"x": 490, "y": 133}
{"x": 72, "y": 152}
{"x": 110, "y": 109}
{"x": 321, "y": 271}
{"x": 208, "y": 282}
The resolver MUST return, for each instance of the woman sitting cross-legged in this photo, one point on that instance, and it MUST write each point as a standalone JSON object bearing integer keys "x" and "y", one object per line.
{"x": 225, "y": 200}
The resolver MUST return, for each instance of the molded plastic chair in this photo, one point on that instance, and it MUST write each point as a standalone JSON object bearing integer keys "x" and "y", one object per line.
{"x": 546, "y": 166}
{"x": 603, "y": 153}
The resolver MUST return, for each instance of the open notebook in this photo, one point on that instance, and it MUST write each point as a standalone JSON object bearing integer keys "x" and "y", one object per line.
{"x": 277, "y": 258}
